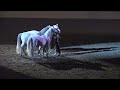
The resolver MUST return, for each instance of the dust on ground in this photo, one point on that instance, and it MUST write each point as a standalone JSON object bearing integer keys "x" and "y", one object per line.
{"x": 93, "y": 61}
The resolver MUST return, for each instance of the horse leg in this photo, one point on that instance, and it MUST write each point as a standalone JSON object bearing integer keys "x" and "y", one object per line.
{"x": 39, "y": 50}
{"x": 49, "y": 47}
{"x": 21, "y": 49}
{"x": 47, "y": 52}
{"x": 35, "y": 44}
{"x": 43, "y": 51}
{"x": 25, "y": 52}
{"x": 18, "y": 43}
{"x": 58, "y": 48}
{"x": 55, "y": 51}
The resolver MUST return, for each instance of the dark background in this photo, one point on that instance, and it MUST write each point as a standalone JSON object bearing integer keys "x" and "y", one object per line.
{"x": 76, "y": 30}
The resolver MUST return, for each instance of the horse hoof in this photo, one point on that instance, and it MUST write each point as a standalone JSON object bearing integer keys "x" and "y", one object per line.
{"x": 55, "y": 54}
{"x": 58, "y": 55}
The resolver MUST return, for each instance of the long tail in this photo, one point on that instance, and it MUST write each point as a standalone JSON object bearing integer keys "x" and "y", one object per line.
{"x": 30, "y": 47}
{"x": 18, "y": 43}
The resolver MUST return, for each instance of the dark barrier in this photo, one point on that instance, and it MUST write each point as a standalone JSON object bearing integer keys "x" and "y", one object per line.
{"x": 75, "y": 31}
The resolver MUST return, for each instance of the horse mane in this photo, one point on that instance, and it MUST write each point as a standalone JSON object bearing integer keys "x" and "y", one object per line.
{"x": 43, "y": 30}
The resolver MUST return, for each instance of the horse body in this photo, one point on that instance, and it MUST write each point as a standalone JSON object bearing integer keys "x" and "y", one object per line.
{"x": 33, "y": 42}
{"x": 24, "y": 37}
{"x": 45, "y": 40}
{"x": 34, "y": 39}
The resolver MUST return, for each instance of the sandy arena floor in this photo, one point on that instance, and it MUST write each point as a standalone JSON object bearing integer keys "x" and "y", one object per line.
{"x": 93, "y": 61}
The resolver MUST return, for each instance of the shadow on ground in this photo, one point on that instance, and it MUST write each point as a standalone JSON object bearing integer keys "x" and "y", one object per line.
{"x": 6, "y": 73}
{"x": 76, "y": 51}
{"x": 64, "y": 63}
{"x": 113, "y": 61}
{"x": 86, "y": 49}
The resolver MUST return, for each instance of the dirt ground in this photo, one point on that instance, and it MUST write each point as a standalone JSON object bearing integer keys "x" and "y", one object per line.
{"x": 93, "y": 61}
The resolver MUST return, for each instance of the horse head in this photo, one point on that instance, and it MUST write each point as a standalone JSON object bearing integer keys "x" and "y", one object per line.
{"x": 56, "y": 29}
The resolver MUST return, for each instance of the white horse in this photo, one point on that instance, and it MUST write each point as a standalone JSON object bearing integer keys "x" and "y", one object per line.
{"x": 24, "y": 37}
{"x": 44, "y": 40}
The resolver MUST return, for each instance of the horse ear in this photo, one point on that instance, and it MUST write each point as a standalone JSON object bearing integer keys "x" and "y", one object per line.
{"x": 52, "y": 26}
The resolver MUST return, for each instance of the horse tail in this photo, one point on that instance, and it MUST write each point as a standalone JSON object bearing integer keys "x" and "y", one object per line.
{"x": 18, "y": 43}
{"x": 30, "y": 47}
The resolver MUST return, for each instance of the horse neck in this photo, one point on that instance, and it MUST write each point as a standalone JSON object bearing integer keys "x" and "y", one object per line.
{"x": 48, "y": 33}
{"x": 44, "y": 29}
